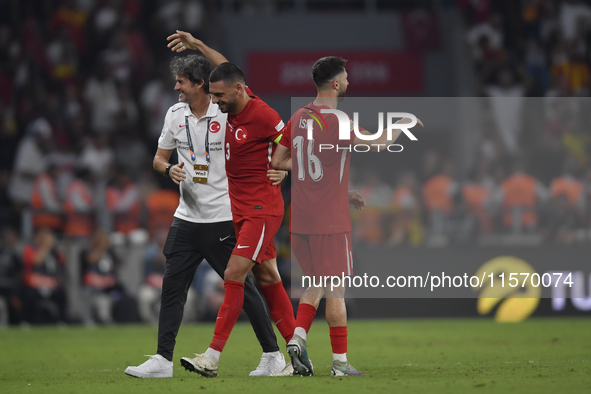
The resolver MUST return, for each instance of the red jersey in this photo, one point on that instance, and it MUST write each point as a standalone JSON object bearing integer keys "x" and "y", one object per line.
{"x": 250, "y": 142}
{"x": 319, "y": 198}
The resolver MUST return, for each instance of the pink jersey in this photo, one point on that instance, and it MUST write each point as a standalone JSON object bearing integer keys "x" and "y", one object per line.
{"x": 250, "y": 142}
{"x": 320, "y": 201}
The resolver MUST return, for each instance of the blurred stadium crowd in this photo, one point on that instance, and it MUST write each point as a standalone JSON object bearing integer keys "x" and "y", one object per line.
{"x": 85, "y": 85}
{"x": 530, "y": 181}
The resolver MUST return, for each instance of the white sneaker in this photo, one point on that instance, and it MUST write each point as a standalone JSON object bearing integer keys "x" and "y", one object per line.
{"x": 271, "y": 363}
{"x": 287, "y": 371}
{"x": 156, "y": 367}
{"x": 200, "y": 364}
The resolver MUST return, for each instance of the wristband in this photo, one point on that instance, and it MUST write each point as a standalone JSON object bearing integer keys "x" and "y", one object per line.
{"x": 167, "y": 171}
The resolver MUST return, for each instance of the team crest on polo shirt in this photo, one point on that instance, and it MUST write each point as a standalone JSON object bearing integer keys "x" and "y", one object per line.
{"x": 214, "y": 127}
{"x": 241, "y": 134}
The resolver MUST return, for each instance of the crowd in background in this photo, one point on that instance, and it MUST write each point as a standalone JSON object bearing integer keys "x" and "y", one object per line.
{"x": 530, "y": 181}
{"x": 85, "y": 85}
{"x": 499, "y": 202}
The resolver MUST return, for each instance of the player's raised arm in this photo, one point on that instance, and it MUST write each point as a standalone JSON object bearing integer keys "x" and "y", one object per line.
{"x": 181, "y": 41}
{"x": 383, "y": 140}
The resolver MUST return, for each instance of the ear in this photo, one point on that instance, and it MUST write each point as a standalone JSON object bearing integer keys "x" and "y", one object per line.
{"x": 335, "y": 84}
{"x": 239, "y": 87}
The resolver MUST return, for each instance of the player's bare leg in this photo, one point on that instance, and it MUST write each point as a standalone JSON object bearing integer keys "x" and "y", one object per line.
{"x": 266, "y": 273}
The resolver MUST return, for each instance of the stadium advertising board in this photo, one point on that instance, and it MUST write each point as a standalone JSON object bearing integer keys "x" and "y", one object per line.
{"x": 515, "y": 304}
{"x": 287, "y": 73}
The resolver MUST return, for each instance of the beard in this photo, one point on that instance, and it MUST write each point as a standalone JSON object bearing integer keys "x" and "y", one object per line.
{"x": 228, "y": 107}
{"x": 342, "y": 93}
{"x": 185, "y": 99}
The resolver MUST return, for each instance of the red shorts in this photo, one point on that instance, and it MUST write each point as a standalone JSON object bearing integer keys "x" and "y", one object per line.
{"x": 323, "y": 254}
{"x": 256, "y": 236}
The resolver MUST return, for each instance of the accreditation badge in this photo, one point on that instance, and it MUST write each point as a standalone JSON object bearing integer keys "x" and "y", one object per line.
{"x": 200, "y": 173}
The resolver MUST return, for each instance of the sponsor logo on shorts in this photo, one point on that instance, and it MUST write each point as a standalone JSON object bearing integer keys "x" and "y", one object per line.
{"x": 242, "y": 246}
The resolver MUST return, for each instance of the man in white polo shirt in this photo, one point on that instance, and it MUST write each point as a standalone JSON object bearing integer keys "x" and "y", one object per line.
{"x": 202, "y": 227}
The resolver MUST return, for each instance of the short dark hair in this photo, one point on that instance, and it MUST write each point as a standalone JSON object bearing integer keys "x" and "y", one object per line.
{"x": 195, "y": 68}
{"x": 227, "y": 72}
{"x": 326, "y": 69}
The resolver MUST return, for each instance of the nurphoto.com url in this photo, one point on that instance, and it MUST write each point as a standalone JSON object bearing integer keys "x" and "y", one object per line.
{"x": 514, "y": 280}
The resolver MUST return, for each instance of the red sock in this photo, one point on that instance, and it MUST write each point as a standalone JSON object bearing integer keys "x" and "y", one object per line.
{"x": 280, "y": 309}
{"x": 306, "y": 314}
{"x": 338, "y": 339}
{"x": 228, "y": 314}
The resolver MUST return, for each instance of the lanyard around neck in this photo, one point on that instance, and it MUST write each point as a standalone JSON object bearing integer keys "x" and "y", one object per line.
{"x": 190, "y": 140}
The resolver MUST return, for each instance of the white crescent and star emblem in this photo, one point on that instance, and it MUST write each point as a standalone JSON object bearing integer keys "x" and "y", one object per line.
{"x": 241, "y": 135}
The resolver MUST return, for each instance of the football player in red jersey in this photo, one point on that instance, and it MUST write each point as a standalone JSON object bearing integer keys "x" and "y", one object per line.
{"x": 320, "y": 217}
{"x": 253, "y": 130}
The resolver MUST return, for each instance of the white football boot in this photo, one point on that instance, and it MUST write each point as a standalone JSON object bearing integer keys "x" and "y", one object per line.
{"x": 200, "y": 364}
{"x": 287, "y": 371}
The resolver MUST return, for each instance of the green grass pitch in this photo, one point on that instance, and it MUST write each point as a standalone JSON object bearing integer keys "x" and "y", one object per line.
{"x": 398, "y": 356}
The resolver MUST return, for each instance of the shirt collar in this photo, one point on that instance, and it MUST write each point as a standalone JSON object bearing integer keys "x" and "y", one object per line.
{"x": 212, "y": 110}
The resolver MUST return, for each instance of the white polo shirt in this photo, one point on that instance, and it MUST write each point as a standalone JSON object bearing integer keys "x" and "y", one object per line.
{"x": 200, "y": 202}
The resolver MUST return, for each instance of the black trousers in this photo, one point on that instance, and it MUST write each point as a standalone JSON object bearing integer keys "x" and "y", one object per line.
{"x": 186, "y": 246}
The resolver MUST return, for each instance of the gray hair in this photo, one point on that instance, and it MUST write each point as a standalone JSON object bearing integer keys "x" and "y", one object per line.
{"x": 195, "y": 68}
